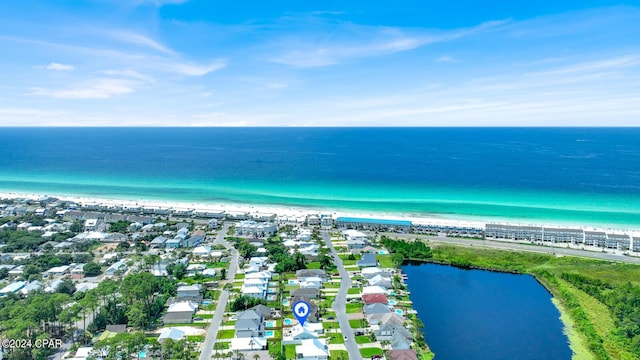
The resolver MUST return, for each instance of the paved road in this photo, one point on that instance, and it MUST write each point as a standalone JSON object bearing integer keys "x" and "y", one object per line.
{"x": 340, "y": 303}
{"x": 508, "y": 245}
{"x": 212, "y": 332}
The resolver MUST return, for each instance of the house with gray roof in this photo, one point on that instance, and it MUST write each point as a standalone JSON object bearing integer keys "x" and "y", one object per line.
{"x": 311, "y": 293}
{"x": 249, "y": 323}
{"x": 376, "y": 309}
{"x": 368, "y": 260}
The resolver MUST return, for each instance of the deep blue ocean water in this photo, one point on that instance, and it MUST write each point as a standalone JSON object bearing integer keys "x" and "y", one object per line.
{"x": 477, "y": 314}
{"x": 571, "y": 175}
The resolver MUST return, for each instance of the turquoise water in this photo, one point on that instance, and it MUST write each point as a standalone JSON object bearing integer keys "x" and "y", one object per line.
{"x": 577, "y": 176}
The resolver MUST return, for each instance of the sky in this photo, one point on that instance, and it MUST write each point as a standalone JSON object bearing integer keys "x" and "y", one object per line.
{"x": 319, "y": 63}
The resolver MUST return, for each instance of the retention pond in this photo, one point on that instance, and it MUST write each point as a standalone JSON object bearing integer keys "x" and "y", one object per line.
{"x": 478, "y": 314}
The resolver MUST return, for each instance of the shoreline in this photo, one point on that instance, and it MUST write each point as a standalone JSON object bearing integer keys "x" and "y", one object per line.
{"x": 300, "y": 211}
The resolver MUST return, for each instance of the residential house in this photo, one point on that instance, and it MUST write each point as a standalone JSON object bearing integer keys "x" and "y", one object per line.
{"x": 195, "y": 239}
{"x": 369, "y": 299}
{"x": 373, "y": 290}
{"x": 77, "y": 272}
{"x": 213, "y": 224}
{"x": 311, "y": 282}
{"x": 158, "y": 242}
{"x": 57, "y": 270}
{"x": 116, "y": 269}
{"x": 174, "y": 334}
{"x": 193, "y": 269}
{"x": 400, "y": 342}
{"x": 391, "y": 324}
{"x": 381, "y": 281}
{"x": 376, "y": 308}
{"x": 202, "y": 251}
{"x": 311, "y": 273}
{"x": 311, "y": 293}
{"x": 312, "y": 349}
{"x": 264, "y": 311}
{"x": 188, "y": 292}
{"x": 314, "y": 314}
{"x": 368, "y": 260}
{"x": 174, "y": 243}
{"x": 14, "y": 287}
{"x": 91, "y": 225}
{"x": 249, "y": 323}
{"x": 180, "y": 313}
{"x": 409, "y": 354}
{"x": 370, "y": 272}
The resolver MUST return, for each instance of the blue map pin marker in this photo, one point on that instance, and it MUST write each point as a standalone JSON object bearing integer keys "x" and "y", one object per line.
{"x": 301, "y": 311}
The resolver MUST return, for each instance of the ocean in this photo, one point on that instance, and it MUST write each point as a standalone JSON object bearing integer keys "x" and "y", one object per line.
{"x": 585, "y": 176}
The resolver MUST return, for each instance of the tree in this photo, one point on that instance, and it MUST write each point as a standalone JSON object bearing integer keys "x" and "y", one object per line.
{"x": 66, "y": 287}
{"x": 120, "y": 226}
{"x": 92, "y": 269}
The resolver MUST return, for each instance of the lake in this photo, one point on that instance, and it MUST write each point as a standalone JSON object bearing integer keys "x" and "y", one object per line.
{"x": 478, "y": 314}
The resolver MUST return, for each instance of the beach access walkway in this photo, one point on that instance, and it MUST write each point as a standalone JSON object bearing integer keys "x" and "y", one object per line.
{"x": 340, "y": 302}
{"x": 212, "y": 332}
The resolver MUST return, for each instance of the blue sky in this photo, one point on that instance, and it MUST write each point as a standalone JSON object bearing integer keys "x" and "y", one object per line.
{"x": 319, "y": 63}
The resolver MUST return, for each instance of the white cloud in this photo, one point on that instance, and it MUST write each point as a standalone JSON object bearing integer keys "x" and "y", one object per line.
{"x": 57, "y": 67}
{"x": 129, "y": 74}
{"x": 350, "y": 42}
{"x": 189, "y": 69}
{"x": 93, "y": 89}
{"x": 139, "y": 39}
{"x": 447, "y": 59}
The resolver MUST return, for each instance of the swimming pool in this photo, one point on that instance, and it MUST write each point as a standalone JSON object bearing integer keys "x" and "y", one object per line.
{"x": 399, "y": 312}
{"x": 293, "y": 282}
{"x": 392, "y": 302}
{"x": 288, "y": 321}
{"x": 142, "y": 354}
{"x": 270, "y": 324}
{"x": 268, "y": 333}
{"x": 206, "y": 303}
{"x": 285, "y": 302}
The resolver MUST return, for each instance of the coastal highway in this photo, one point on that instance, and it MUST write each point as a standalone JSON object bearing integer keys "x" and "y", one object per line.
{"x": 212, "y": 332}
{"x": 340, "y": 303}
{"x": 510, "y": 245}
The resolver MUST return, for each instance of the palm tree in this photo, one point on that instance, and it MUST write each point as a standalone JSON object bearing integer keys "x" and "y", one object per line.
{"x": 251, "y": 344}
{"x": 256, "y": 357}
{"x": 385, "y": 343}
{"x": 237, "y": 352}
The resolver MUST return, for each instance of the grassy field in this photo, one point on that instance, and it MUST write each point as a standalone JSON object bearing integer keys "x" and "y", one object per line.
{"x": 590, "y": 325}
{"x": 336, "y": 338}
{"x": 290, "y": 351}
{"x": 226, "y": 334}
{"x": 362, "y": 339}
{"x": 354, "y": 308}
{"x": 385, "y": 261}
{"x": 339, "y": 354}
{"x": 353, "y": 291}
{"x": 369, "y": 352}
{"x": 356, "y": 324}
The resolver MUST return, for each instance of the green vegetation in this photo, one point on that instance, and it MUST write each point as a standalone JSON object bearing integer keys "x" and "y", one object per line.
{"x": 362, "y": 339}
{"x": 339, "y": 354}
{"x": 402, "y": 250}
{"x": 600, "y": 297}
{"x": 120, "y": 226}
{"x": 244, "y": 302}
{"x": 369, "y": 352}
{"x": 226, "y": 334}
{"x": 336, "y": 338}
{"x": 92, "y": 269}
{"x": 354, "y": 308}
